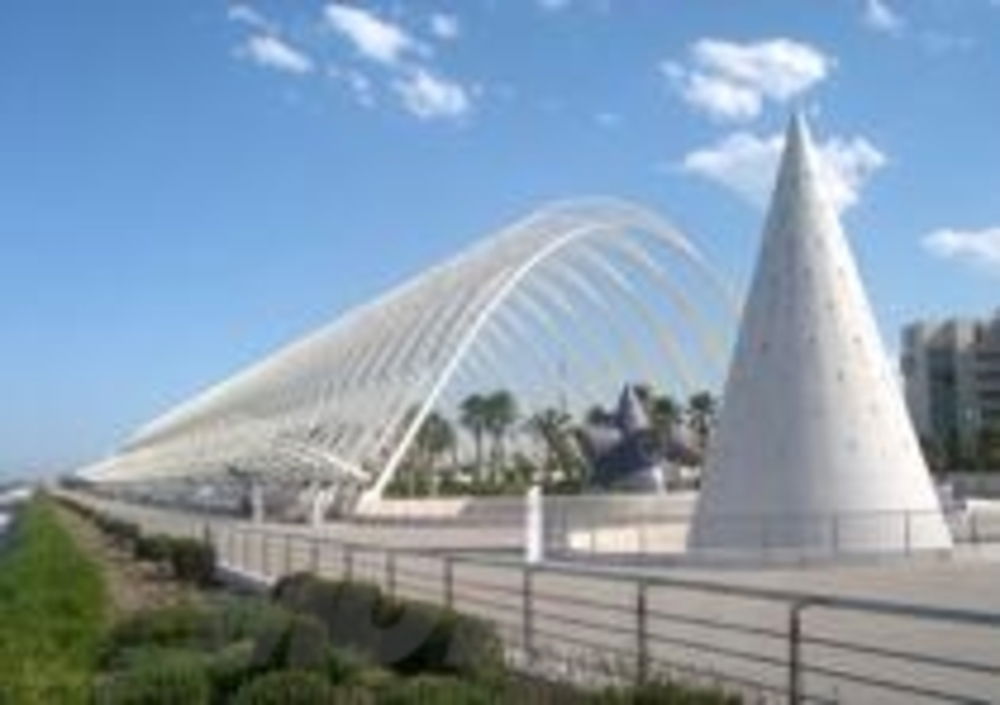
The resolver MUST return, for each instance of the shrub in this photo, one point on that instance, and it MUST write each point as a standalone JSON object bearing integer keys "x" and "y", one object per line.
{"x": 412, "y": 636}
{"x": 344, "y": 666}
{"x": 374, "y": 679}
{"x": 299, "y": 642}
{"x": 162, "y": 681}
{"x": 292, "y": 590}
{"x": 351, "y": 611}
{"x": 246, "y": 618}
{"x": 664, "y": 692}
{"x": 230, "y": 668}
{"x": 155, "y": 548}
{"x": 121, "y": 531}
{"x": 193, "y": 561}
{"x": 356, "y": 617}
{"x": 286, "y": 688}
{"x": 173, "y": 626}
{"x": 437, "y": 690}
{"x": 421, "y": 638}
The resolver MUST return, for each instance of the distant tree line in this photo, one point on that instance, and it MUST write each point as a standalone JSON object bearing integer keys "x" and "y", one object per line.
{"x": 489, "y": 421}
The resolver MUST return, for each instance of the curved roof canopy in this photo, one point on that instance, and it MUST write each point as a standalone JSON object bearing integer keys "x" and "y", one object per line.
{"x": 562, "y": 307}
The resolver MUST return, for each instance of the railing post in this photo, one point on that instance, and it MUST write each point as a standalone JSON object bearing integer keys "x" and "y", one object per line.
{"x": 390, "y": 573}
{"x": 528, "y": 611}
{"x": 907, "y": 545}
{"x": 449, "y": 582}
{"x": 314, "y": 556}
{"x": 288, "y": 554}
{"x": 642, "y": 534}
{"x": 795, "y": 651}
{"x": 642, "y": 633}
{"x": 348, "y": 567}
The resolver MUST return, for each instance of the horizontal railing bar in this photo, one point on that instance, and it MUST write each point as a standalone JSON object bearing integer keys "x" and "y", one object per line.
{"x": 722, "y": 625}
{"x": 561, "y": 619}
{"x": 908, "y": 656}
{"x": 895, "y": 686}
{"x": 719, "y": 650}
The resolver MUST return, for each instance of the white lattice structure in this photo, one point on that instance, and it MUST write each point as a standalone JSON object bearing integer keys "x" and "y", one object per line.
{"x": 814, "y": 450}
{"x": 568, "y": 303}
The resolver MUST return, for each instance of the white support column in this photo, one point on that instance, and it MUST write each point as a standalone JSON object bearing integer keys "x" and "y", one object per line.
{"x": 256, "y": 502}
{"x": 534, "y": 526}
{"x": 317, "y": 508}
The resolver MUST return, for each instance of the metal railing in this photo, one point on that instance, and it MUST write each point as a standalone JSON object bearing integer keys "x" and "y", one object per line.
{"x": 594, "y": 624}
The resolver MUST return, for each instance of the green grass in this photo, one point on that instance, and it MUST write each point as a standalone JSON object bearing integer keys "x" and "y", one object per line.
{"x": 52, "y": 613}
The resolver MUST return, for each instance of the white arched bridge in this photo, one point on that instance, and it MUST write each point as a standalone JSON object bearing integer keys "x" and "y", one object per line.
{"x": 561, "y": 308}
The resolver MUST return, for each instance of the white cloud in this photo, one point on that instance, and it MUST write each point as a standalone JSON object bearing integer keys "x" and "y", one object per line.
{"x": 747, "y": 164}
{"x": 444, "y": 26}
{"x": 553, "y": 4}
{"x": 731, "y": 81}
{"x": 428, "y": 96}
{"x": 269, "y": 51}
{"x": 882, "y": 18}
{"x": 980, "y": 248}
{"x": 244, "y": 14}
{"x": 372, "y": 36}
{"x": 722, "y": 98}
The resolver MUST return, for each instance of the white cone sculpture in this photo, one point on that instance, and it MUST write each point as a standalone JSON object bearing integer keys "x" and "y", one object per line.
{"x": 814, "y": 451}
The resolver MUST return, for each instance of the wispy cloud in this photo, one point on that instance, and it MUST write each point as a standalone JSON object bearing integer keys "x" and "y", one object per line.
{"x": 732, "y": 80}
{"x": 978, "y": 248}
{"x": 879, "y": 16}
{"x": 376, "y": 38}
{"x": 444, "y": 26}
{"x": 271, "y": 52}
{"x": 428, "y": 96}
{"x": 244, "y": 14}
{"x": 553, "y": 4}
{"x": 746, "y": 164}
{"x": 361, "y": 87}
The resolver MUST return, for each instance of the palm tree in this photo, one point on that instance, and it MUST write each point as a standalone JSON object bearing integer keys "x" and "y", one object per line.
{"x": 664, "y": 414}
{"x": 701, "y": 412}
{"x": 597, "y": 415}
{"x": 500, "y": 415}
{"x": 551, "y": 426}
{"x": 473, "y": 411}
{"x": 436, "y": 437}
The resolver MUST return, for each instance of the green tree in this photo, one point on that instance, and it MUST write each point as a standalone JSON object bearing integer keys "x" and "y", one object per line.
{"x": 435, "y": 438}
{"x": 473, "y": 413}
{"x": 500, "y": 416}
{"x": 551, "y": 427}
{"x": 597, "y": 415}
{"x": 701, "y": 412}
{"x": 664, "y": 413}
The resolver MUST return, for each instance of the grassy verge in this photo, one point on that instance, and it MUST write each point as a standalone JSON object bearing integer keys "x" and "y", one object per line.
{"x": 52, "y": 608}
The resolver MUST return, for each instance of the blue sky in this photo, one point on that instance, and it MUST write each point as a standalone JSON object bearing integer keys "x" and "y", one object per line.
{"x": 189, "y": 184}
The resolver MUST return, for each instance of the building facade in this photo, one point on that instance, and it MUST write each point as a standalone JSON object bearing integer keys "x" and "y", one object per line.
{"x": 952, "y": 375}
